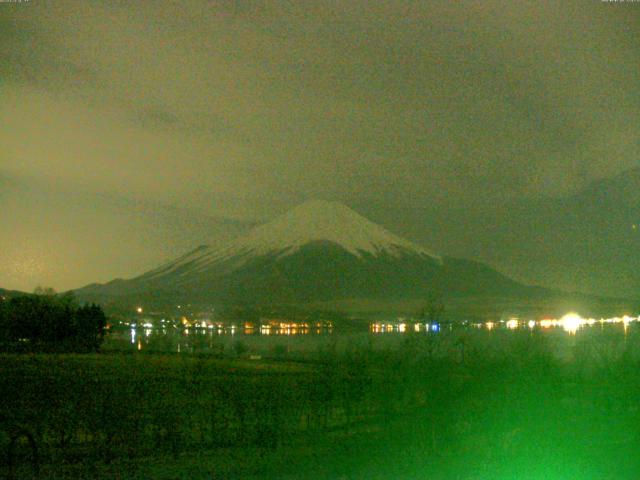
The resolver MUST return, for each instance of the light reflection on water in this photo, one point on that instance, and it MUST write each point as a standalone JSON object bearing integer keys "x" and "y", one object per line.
{"x": 282, "y": 339}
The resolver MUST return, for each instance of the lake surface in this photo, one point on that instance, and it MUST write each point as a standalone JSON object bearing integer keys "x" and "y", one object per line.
{"x": 563, "y": 336}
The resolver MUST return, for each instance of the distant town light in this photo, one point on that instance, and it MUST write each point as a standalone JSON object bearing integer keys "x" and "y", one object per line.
{"x": 571, "y": 322}
{"x": 139, "y": 309}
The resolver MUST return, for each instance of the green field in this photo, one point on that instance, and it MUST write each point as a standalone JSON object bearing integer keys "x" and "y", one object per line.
{"x": 452, "y": 406}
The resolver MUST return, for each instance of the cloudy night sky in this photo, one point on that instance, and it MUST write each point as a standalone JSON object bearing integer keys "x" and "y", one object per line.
{"x": 507, "y": 132}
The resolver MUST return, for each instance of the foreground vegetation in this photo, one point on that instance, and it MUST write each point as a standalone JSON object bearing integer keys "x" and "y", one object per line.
{"x": 49, "y": 322}
{"x": 451, "y": 406}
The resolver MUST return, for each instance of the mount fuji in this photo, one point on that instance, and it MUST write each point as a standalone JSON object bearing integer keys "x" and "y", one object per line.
{"x": 319, "y": 251}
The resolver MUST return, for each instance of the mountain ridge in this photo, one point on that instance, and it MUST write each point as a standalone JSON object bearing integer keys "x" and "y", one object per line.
{"x": 319, "y": 250}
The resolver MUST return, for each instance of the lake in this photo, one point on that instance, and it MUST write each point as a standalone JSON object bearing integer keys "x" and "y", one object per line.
{"x": 301, "y": 340}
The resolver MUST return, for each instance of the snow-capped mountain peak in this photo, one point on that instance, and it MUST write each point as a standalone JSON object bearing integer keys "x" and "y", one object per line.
{"x": 319, "y": 251}
{"x": 320, "y": 220}
{"x": 312, "y": 221}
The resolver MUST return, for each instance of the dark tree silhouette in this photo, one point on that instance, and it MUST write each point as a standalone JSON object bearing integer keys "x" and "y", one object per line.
{"x": 46, "y": 321}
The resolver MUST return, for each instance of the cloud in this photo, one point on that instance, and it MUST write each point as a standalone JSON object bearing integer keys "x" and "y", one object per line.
{"x": 241, "y": 109}
{"x": 69, "y": 238}
{"x": 300, "y": 93}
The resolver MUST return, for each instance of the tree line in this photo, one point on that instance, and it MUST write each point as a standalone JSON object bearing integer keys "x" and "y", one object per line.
{"x": 46, "y": 321}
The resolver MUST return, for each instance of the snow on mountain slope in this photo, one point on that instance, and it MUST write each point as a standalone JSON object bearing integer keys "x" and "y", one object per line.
{"x": 325, "y": 221}
{"x": 313, "y": 221}
{"x": 319, "y": 251}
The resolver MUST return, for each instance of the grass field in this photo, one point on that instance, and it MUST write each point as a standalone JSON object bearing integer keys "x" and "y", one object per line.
{"x": 447, "y": 407}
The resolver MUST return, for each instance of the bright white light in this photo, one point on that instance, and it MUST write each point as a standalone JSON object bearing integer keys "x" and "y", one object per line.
{"x": 512, "y": 324}
{"x": 139, "y": 309}
{"x": 571, "y": 322}
{"x": 532, "y": 323}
